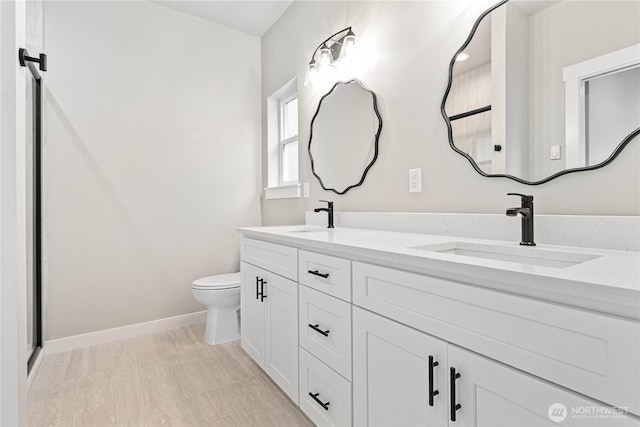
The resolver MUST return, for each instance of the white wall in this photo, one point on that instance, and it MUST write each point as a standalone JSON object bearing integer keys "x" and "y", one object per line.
{"x": 152, "y": 159}
{"x": 516, "y": 81}
{"x": 412, "y": 44}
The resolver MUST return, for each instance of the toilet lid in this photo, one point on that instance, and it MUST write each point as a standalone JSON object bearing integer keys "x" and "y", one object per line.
{"x": 218, "y": 281}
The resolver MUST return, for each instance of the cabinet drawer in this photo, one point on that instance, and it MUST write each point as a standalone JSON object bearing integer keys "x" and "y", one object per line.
{"x": 327, "y": 274}
{"x": 593, "y": 354}
{"x": 325, "y": 329}
{"x": 279, "y": 259}
{"x": 333, "y": 393}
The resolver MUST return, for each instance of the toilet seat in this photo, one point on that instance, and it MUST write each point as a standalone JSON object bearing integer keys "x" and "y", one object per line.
{"x": 219, "y": 281}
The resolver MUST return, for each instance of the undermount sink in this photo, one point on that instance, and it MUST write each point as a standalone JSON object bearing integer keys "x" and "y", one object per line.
{"x": 520, "y": 255}
{"x": 306, "y": 230}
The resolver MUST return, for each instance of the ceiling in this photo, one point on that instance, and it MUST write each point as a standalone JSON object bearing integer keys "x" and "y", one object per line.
{"x": 250, "y": 16}
{"x": 479, "y": 50}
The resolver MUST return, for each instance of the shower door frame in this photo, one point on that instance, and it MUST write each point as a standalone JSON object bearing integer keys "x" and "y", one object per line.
{"x": 37, "y": 213}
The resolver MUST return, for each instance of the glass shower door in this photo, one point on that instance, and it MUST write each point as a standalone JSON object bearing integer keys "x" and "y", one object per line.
{"x": 33, "y": 204}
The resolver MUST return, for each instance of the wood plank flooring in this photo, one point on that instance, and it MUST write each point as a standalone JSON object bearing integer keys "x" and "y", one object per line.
{"x": 170, "y": 378}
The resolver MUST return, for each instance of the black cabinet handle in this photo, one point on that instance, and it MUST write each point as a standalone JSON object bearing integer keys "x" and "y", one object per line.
{"x": 432, "y": 392}
{"x": 260, "y": 289}
{"x": 318, "y": 330}
{"x": 319, "y": 402}
{"x": 262, "y": 295}
{"x": 317, "y": 273}
{"x": 453, "y": 376}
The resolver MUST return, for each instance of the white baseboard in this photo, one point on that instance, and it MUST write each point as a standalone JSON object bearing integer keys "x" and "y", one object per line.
{"x": 115, "y": 334}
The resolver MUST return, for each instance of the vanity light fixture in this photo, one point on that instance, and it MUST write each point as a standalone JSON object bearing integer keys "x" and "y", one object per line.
{"x": 328, "y": 56}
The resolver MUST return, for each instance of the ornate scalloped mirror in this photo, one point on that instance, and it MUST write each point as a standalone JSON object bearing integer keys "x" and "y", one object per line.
{"x": 345, "y": 129}
{"x": 544, "y": 88}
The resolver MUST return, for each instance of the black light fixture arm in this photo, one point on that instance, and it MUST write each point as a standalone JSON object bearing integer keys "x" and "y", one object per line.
{"x": 324, "y": 42}
{"x": 23, "y": 56}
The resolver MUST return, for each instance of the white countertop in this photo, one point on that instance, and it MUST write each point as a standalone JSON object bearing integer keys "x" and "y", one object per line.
{"x": 609, "y": 283}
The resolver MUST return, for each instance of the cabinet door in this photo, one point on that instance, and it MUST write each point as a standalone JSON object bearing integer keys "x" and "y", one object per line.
{"x": 391, "y": 374}
{"x": 252, "y": 312}
{"x": 492, "y": 394}
{"x": 281, "y": 339}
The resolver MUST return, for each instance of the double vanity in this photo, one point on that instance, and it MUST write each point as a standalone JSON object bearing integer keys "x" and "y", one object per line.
{"x": 368, "y": 327}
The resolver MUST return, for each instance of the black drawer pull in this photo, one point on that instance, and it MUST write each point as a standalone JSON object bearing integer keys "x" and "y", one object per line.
{"x": 319, "y": 402}
{"x": 453, "y": 376}
{"x": 318, "y": 330}
{"x": 317, "y": 273}
{"x": 432, "y": 392}
{"x": 258, "y": 280}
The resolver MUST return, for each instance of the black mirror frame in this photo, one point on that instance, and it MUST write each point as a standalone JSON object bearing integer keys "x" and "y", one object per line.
{"x": 377, "y": 136}
{"x": 615, "y": 153}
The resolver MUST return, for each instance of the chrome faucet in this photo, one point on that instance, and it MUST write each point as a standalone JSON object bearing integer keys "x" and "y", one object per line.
{"x": 526, "y": 210}
{"x": 328, "y": 210}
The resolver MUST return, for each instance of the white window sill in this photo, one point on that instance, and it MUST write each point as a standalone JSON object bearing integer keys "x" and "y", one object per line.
{"x": 284, "y": 192}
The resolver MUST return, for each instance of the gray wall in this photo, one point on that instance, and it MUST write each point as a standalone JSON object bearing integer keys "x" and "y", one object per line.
{"x": 152, "y": 160}
{"x": 412, "y": 44}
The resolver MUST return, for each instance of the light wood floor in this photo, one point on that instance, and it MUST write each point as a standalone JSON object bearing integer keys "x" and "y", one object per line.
{"x": 166, "y": 379}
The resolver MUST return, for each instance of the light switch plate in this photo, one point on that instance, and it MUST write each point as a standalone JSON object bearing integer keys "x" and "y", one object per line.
{"x": 305, "y": 190}
{"x": 554, "y": 152}
{"x": 415, "y": 180}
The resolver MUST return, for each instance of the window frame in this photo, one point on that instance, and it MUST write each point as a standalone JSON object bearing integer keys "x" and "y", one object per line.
{"x": 574, "y": 77}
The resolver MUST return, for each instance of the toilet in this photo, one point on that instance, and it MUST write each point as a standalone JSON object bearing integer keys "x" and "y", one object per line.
{"x": 221, "y": 295}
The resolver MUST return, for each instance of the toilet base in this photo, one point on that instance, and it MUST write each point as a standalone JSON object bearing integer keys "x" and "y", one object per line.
{"x": 223, "y": 325}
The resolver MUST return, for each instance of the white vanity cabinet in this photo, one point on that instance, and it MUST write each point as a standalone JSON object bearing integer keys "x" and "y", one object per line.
{"x": 356, "y": 343}
{"x": 409, "y": 378}
{"x": 593, "y": 354}
{"x": 270, "y": 313}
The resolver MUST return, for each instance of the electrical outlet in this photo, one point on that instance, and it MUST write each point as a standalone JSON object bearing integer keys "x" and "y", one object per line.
{"x": 415, "y": 180}
{"x": 554, "y": 152}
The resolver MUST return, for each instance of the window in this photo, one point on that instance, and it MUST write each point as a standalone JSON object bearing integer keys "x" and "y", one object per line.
{"x": 282, "y": 143}
{"x": 288, "y": 140}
